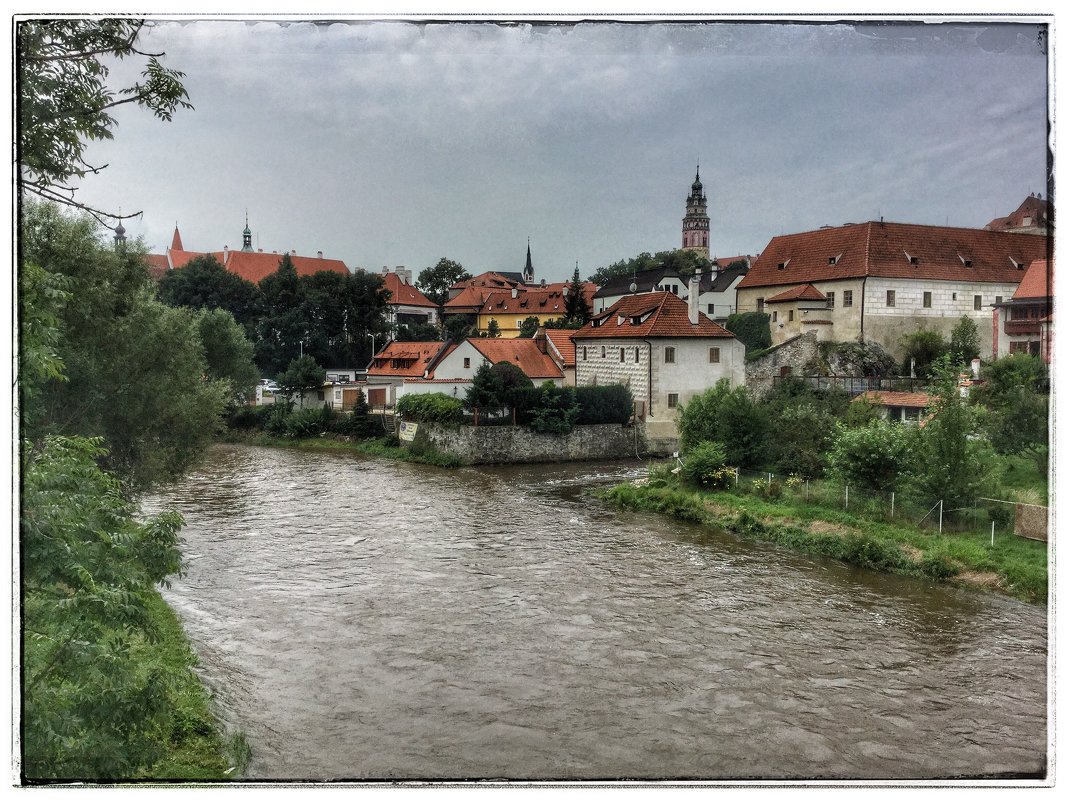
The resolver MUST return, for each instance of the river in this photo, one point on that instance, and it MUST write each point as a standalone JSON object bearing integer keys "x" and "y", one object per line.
{"x": 367, "y": 619}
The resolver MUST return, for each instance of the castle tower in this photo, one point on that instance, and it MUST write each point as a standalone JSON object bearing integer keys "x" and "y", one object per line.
{"x": 120, "y": 234}
{"x": 246, "y": 237}
{"x": 695, "y": 223}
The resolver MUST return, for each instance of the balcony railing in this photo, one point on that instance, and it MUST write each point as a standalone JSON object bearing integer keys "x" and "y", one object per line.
{"x": 856, "y": 385}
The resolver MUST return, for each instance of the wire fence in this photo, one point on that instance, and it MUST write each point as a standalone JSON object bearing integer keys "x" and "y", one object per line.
{"x": 995, "y": 516}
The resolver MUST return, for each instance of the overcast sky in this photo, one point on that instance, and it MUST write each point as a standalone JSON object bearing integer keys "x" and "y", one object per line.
{"x": 392, "y": 143}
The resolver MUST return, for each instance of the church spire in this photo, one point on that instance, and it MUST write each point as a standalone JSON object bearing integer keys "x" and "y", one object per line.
{"x": 246, "y": 236}
{"x": 528, "y": 270}
{"x": 176, "y": 240}
{"x": 695, "y": 223}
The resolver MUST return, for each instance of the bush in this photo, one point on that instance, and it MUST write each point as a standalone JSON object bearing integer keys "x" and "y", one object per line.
{"x": 766, "y": 488}
{"x": 309, "y": 422}
{"x": 612, "y": 403}
{"x": 705, "y": 466}
{"x": 875, "y": 457}
{"x": 249, "y": 418}
{"x": 556, "y": 411}
{"x": 435, "y": 407}
{"x": 728, "y": 416}
{"x": 752, "y": 328}
{"x": 277, "y": 419}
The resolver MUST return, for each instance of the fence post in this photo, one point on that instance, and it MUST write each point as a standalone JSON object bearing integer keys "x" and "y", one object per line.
{"x": 991, "y": 533}
{"x": 891, "y": 504}
{"x": 769, "y": 479}
{"x": 736, "y": 477}
{"x": 847, "y": 496}
{"x": 941, "y": 504}
{"x": 806, "y": 489}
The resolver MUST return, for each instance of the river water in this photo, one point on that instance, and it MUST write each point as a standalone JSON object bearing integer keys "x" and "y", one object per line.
{"x": 366, "y": 619}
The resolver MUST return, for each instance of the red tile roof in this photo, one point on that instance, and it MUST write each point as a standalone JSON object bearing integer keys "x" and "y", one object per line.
{"x": 914, "y": 400}
{"x": 491, "y": 280}
{"x": 565, "y": 346}
{"x": 523, "y": 353}
{"x": 803, "y": 292}
{"x": 404, "y": 294}
{"x": 176, "y": 240}
{"x": 255, "y": 267}
{"x": 894, "y": 250}
{"x": 1037, "y": 283}
{"x": 1033, "y": 207}
{"x": 157, "y": 265}
{"x": 470, "y": 299}
{"x": 531, "y": 301}
{"x": 660, "y": 314}
{"x": 180, "y": 258}
{"x": 404, "y": 359}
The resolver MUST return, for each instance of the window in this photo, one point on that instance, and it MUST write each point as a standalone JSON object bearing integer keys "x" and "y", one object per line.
{"x": 774, "y": 316}
{"x": 760, "y": 304}
{"x": 622, "y": 354}
{"x": 997, "y": 299}
{"x": 977, "y": 302}
{"x": 320, "y": 395}
{"x": 604, "y": 351}
{"x": 711, "y": 309}
{"x": 637, "y": 353}
{"x": 791, "y": 315}
{"x": 926, "y": 300}
{"x": 891, "y": 297}
{"x": 669, "y": 355}
{"x": 467, "y": 364}
{"x": 673, "y": 400}
{"x": 584, "y": 354}
{"x": 830, "y": 300}
{"x": 847, "y": 298}
{"x": 914, "y": 260}
{"x": 954, "y": 296}
{"x": 713, "y": 355}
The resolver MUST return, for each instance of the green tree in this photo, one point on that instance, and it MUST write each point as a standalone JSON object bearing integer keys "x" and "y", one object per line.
{"x": 514, "y": 387}
{"x": 434, "y": 282}
{"x": 228, "y": 353}
{"x": 486, "y": 393}
{"x": 876, "y": 457}
{"x": 529, "y": 327}
{"x": 303, "y": 373}
{"x": 93, "y": 707}
{"x": 752, "y": 328}
{"x": 64, "y": 99}
{"x": 799, "y": 437}
{"x": 964, "y": 342}
{"x": 728, "y": 416}
{"x": 493, "y": 330}
{"x": 1002, "y": 377}
{"x": 923, "y": 349}
{"x": 283, "y": 326}
{"x": 133, "y": 369}
{"x": 556, "y": 410}
{"x": 1021, "y": 425}
{"x": 686, "y": 262}
{"x": 339, "y": 313}
{"x": 576, "y": 308}
{"x": 203, "y": 283}
{"x": 952, "y": 464}
{"x": 418, "y": 332}
{"x": 459, "y": 327}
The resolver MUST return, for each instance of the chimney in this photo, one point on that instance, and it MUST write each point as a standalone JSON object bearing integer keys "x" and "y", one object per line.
{"x": 226, "y": 250}
{"x": 319, "y": 253}
{"x": 260, "y": 250}
{"x": 515, "y": 292}
{"x": 539, "y": 339}
{"x": 292, "y": 253}
{"x": 385, "y": 270}
{"x": 695, "y": 292}
{"x": 543, "y": 282}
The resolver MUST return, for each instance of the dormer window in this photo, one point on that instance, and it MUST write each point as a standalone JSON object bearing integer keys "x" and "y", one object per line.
{"x": 1019, "y": 265}
{"x": 913, "y": 260}
{"x": 782, "y": 264}
{"x": 964, "y": 261}
{"x": 834, "y": 259}
{"x": 619, "y": 319}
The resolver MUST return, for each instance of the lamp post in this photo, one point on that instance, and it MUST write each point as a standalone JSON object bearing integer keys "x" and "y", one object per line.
{"x": 373, "y": 351}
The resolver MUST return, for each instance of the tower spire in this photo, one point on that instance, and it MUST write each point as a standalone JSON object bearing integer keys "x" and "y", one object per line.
{"x": 528, "y": 270}
{"x": 246, "y": 236}
{"x": 695, "y": 223}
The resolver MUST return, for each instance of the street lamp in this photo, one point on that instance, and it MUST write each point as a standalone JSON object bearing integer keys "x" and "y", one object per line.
{"x": 373, "y": 351}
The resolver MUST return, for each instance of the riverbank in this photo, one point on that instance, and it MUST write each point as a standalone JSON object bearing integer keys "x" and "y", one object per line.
{"x": 1012, "y": 566}
{"x": 381, "y": 447}
{"x": 195, "y": 748}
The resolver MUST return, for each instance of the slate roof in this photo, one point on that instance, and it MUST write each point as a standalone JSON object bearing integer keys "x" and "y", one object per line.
{"x": 722, "y": 281}
{"x": 417, "y": 358}
{"x": 647, "y": 281}
{"x": 402, "y": 294}
{"x": 803, "y": 292}
{"x": 659, "y": 314}
{"x": 523, "y": 353}
{"x": 895, "y": 250}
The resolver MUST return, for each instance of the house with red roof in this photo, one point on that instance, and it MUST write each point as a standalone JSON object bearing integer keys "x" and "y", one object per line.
{"x": 561, "y": 348}
{"x": 663, "y": 348}
{"x": 798, "y": 311}
{"x": 397, "y": 362}
{"x": 1024, "y": 323}
{"x": 406, "y": 304}
{"x": 463, "y": 359}
{"x": 1033, "y": 216}
{"x": 885, "y": 280}
{"x": 902, "y": 407}
{"x": 252, "y": 265}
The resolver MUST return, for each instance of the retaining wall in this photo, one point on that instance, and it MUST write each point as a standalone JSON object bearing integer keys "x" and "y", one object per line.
{"x": 514, "y": 444}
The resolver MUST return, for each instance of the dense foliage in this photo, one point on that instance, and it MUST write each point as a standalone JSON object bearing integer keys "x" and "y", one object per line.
{"x": 731, "y": 417}
{"x": 876, "y": 457}
{"x": 608, "y": 403}
{"x": 964, "y": 342}
{"x": 753, "y": 329}
{"x": 434, "y": 282}
{"x": 923, "y": 349}
{"x": 433, "y": 407}
{"x": 302, "y": 374}
{"x": 686, "y": 262}
{"x": 203, "y": 283}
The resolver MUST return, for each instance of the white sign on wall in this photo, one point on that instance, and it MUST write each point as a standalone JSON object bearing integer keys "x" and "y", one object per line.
{"x": 407, "y": 430}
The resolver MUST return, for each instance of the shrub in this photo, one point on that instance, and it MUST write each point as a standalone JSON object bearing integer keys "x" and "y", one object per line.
{"x": 276, "y": 420}
{"x": 249, "y": 418}
{"x": 705, "y": 464}
{"x": 435, "y": 407}
{"x": 752, "y": 328}
{"x": 728, "y": 416}
{"x": 767, "y": 488}
{"x": 875, "y": 457}
{"x": 309, "y": 422}
{"x": 612, "y": 403}
{"x": 556, "y": 411}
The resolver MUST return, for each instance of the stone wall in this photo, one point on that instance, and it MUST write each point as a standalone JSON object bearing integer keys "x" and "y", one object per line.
{"x": 512, "y": 444}
{"x": 795, "y": 353}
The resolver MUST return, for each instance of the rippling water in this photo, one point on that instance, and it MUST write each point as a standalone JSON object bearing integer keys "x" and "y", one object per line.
{"x": 359, "y": 618}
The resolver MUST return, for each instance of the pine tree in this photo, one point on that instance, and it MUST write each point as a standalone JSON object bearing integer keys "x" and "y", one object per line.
{"x": 576, "y": 308}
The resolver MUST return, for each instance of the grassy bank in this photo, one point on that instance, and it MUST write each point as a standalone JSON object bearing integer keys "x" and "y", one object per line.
{"x": 382, "y": 447}
{"x": 1013, "y": 566}
{"x": 196, "y": 751}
